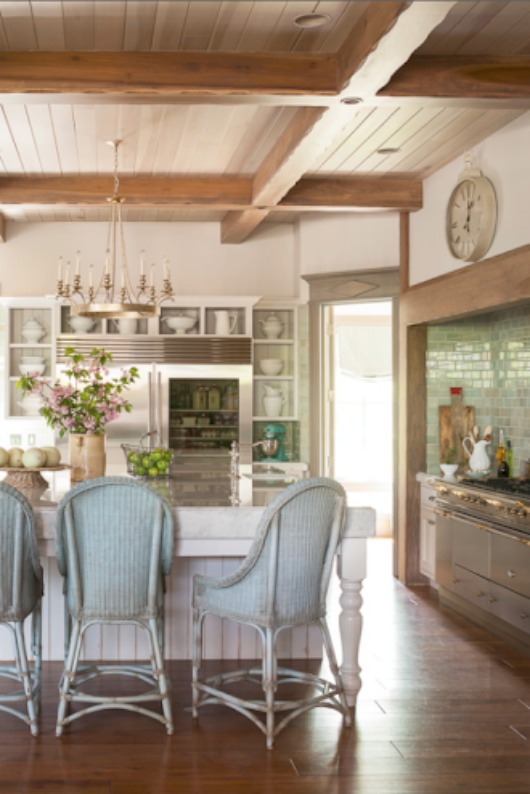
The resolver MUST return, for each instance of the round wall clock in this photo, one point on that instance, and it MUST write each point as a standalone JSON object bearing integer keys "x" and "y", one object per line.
{"x": 471, "y": 218}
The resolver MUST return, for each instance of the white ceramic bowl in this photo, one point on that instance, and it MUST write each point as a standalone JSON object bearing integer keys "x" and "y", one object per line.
{"x": 32, "y": 369}
{"x": 30, "y": 404}
{"x": 31, "y": 360}
{"x": 271, "y": 366}
{"x": 181, "y": 323}
{"x": 80, "y": 324}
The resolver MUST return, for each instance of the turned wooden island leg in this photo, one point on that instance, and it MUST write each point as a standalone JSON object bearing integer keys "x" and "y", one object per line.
{"x": 351, "y": 566}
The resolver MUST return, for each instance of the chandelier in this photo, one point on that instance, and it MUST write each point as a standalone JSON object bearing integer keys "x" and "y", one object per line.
{"x": 113, "y": 293}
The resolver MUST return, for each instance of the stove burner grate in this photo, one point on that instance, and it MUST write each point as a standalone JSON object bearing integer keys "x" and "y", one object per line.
{"x": 508, "y": 485}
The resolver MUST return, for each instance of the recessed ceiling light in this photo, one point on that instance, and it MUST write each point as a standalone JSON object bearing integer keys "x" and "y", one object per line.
{"x": 388, "y": 150}
{"x": 351, "y": 100}
{"x": 311, "y": 20}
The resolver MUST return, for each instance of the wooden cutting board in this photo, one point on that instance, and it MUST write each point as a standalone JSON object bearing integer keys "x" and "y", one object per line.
{"x": 453, "y": 427}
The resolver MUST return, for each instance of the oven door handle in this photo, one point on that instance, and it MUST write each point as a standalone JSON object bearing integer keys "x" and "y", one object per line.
{"x": 483, "y": 527}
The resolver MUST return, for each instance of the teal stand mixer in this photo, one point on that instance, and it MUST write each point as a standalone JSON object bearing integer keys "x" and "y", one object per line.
{"x": 273, "y": 444}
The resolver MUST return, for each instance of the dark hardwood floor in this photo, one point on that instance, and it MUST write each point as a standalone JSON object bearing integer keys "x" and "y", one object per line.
{"x": 445, "y": 707}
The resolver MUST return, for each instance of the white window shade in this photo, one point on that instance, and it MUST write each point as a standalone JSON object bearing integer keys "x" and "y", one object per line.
{"x": 365, "y": 351}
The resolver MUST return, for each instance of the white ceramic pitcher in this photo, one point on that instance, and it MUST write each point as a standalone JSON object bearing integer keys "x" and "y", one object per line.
{"x": 126, "y": 325}
{"x": 479, "y": 460}
{"x": 273, "y": 401}
{"x": 225, "y": 322}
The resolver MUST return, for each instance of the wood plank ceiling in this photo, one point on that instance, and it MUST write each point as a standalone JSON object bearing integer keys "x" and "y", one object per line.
{"x": 232, "y": 112}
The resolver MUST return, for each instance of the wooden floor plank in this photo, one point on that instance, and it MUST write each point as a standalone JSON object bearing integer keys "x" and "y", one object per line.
{"x": 444, "y": 709}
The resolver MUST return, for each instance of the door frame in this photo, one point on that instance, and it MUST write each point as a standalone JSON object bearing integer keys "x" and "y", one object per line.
{"x": 347, "y": 287}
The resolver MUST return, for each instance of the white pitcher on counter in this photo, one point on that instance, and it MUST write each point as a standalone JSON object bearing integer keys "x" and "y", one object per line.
{"x": 273, "y": 401}
{"x": 479, "y": 460}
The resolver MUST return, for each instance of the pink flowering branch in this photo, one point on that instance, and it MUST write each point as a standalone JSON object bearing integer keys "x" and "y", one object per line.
{"x": 89, "y": 400}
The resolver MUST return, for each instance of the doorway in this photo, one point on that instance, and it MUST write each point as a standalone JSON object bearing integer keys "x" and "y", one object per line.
{"x": 358, "y": 406}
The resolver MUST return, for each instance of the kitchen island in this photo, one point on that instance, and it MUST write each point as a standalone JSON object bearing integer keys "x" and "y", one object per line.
{"x": 212, "y": 540}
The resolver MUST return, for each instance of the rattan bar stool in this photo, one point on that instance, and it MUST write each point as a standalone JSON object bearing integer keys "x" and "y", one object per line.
{"x": 282, "y": 583}
{"x": 21, "y": 589}
{"x": 114, "y": 539}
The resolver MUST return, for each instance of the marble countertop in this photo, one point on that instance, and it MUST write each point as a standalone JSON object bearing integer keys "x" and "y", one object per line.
{"x": 200, "y": 521}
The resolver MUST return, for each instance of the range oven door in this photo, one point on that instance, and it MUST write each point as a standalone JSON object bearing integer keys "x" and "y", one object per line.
{"x": 462, "y": 554}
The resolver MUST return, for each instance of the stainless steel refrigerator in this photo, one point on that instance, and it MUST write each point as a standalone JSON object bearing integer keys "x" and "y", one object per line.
{"x": 195, "y": 409}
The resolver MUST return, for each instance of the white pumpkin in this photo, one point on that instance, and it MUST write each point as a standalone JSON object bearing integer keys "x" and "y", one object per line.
{"x": 53, "y": 456}
{"x": 15, "y": 457}
{"x": 34, "y": 458}
{"x": 4, "y": 458}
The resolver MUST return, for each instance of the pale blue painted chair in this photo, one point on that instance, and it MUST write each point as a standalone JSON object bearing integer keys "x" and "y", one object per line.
{"x": 21, "y": 589}
{"x": 282, "y": 583}
{"x": 114, "y": 539}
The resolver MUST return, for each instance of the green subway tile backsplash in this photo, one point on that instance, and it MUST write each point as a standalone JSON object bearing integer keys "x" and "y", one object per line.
{"x": 489, "y": 357}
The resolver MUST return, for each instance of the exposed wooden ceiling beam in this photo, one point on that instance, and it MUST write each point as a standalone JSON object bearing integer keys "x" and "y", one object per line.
{"x": 225, "y": 193}
{"x": 384, "y": 40}
{"x": 479, "y": 77}
{"x": 220, "y": 193}
{"x": 388, "y": 193}
{"x": 379, "y": 44}
{"x": 487, "y": 81}
{"x": 167, "y": 74}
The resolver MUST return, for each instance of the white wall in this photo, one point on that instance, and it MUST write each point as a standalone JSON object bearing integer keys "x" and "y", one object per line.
{"x": 270, "y": 263}
{"x": 200, "y": 265}
{"x": 332, "y": 243}
{"x": 503, "y": 158}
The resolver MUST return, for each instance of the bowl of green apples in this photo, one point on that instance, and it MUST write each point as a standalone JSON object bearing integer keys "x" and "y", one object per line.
{"x": 147, "y": 462}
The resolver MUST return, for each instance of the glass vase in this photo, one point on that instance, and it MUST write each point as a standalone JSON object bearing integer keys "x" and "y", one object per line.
{"x": 87, "y": 456}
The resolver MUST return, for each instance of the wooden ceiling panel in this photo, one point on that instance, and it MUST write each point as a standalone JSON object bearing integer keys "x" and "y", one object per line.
{"x": 233, "y": 97}
{"x": 109, "y": 24}
{"x": 366, "y": 128}
{"x": 403, "y": 137}
{"x": 345, "y": 17}
{"x": 49, "y": 26}
{"x": 17, "y": 25}
{"x": 79, "y": 25}
{"x": 463, "y": 142}
{"x": 238, "y": 25}
{"x": 359, "y": 153}
{"x": 481, "y": 28}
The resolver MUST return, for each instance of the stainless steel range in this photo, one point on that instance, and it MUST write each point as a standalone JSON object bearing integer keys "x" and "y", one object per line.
{"x": 498, "y": 503}
{"x": 482, "y": 541}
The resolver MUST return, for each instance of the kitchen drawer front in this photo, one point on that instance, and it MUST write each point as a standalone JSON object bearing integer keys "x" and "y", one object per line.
{"x": 427, "y": 542}
{"x": 470, "y": 546}
{"x": 510, "y": 607}
{"x": 468, "y": 585}
{"x": 427, "y": 495}
{"x": 510, "y": 564}
{"x": 444, "y": 551}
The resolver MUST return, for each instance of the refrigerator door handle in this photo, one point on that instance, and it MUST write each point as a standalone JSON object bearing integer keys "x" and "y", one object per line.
{"x": 158, "y": 408}
{"x": 149, "y": 403}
